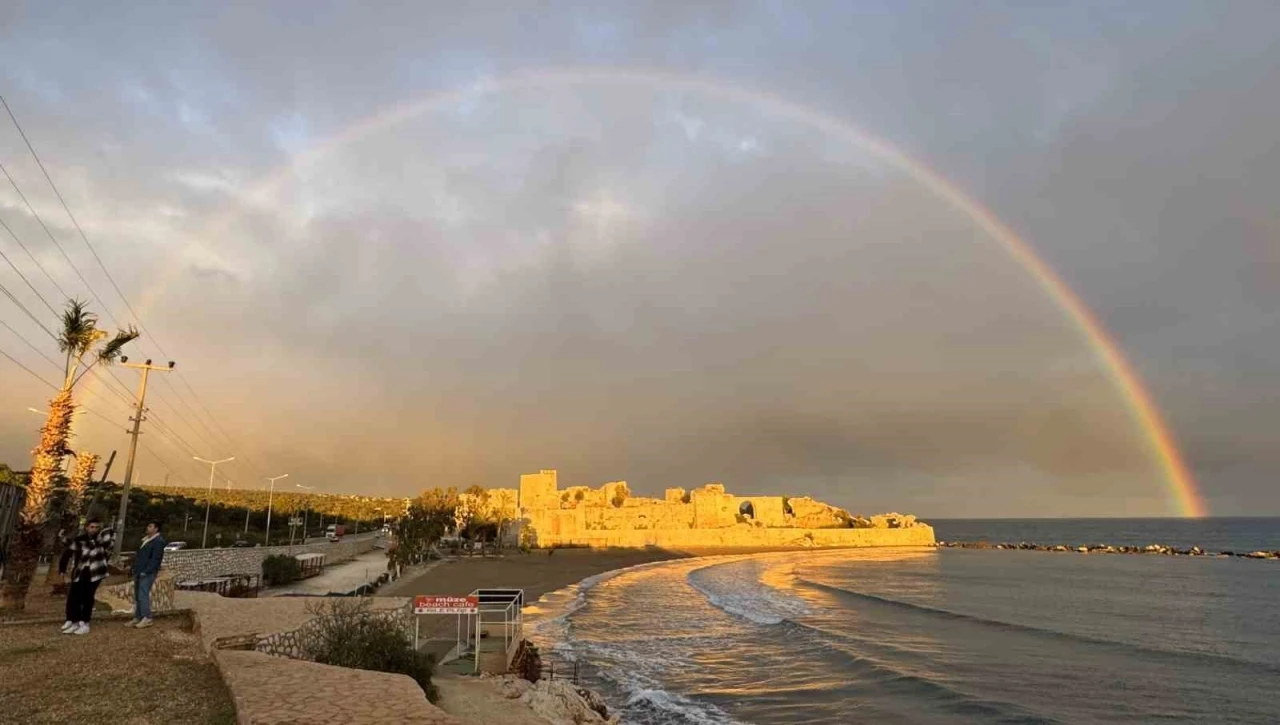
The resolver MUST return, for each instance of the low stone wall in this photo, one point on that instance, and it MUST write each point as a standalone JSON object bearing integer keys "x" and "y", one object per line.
{"x": 291, "y": 643}
{"x": 746, "y": 537}
{"x": 120, "y": 596}
{"x": 201, "y": 563}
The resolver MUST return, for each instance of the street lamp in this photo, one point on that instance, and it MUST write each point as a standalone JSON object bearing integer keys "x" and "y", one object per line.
{"x": 270, "y": 495}
{"x": 305, "y": 510}
{"x": 213, "y": 465}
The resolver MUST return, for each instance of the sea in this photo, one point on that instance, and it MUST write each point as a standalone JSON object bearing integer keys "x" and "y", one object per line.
{"x": 938, "y": 635}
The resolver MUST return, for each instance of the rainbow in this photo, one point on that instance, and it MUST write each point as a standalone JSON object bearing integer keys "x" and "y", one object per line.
{"x": 1180, "y": 482}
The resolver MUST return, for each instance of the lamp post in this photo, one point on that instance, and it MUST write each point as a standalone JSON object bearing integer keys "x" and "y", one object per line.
{"x": 213, "y": 465}
{"x": 270, "y": 495}
{"x": 305, "y": 510}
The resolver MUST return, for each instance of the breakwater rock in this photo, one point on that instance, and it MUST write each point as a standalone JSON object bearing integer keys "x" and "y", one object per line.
{"x": 1158, "y": 549}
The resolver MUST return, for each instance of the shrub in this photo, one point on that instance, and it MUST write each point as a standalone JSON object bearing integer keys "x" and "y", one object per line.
{"x": 281, "y": 569}
{"x": 345, "y": 633}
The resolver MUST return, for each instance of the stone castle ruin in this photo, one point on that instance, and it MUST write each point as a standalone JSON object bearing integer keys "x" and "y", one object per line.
{"x": 707, "y": 516}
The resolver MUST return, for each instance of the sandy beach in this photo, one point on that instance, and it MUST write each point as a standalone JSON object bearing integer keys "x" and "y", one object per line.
{"x": 537, "y": 572}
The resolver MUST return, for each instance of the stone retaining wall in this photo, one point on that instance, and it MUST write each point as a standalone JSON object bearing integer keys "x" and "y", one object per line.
{"x": 120, "y": 596}
{"x": 290, "y": 644}
{"x": 202, "y": 563}
{"x": 746, "y": 536}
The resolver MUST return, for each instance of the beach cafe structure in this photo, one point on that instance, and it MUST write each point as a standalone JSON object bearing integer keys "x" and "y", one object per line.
{"x": 490, "y": 627}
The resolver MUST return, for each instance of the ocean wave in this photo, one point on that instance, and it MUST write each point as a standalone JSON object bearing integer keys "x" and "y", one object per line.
{"x": 553, "y": 628}
{"x": 646, "y": 705}
{"x": 735, "y": 587}
{"x": 1036, "y": 631}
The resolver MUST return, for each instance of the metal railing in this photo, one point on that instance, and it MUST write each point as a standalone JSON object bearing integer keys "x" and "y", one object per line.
{"x": 570, "y": 672}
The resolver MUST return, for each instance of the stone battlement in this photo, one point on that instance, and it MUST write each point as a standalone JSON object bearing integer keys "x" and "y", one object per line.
{"x": 707, "y": 516}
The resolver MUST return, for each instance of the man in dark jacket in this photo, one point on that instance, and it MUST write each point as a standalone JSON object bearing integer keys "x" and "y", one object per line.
{"x": 87, "y": 553}
{"x": 146, "y": 565}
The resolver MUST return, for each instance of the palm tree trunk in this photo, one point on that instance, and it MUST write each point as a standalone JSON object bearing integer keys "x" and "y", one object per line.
{"x": 69, "y": 520}
{"x": 20, "y": 567}
{"x": 37, "y": 509}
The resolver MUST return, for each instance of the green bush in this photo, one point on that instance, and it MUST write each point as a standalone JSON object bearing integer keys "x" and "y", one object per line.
{"x": 345, "y": 633}
{"x": 281, "y": 569}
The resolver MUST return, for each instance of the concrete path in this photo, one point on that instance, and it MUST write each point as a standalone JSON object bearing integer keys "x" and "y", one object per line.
{"x": 340, "y": 578}
{"x": 277, "y": 691}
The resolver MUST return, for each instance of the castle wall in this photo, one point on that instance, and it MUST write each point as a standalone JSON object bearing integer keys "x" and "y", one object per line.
{"x": 712, "y": 507}
{"x": 811, "y": 514}
{"x": 610, "y": 516}
{"x": 747, "y": 537}
{"x": 766, "y": 509}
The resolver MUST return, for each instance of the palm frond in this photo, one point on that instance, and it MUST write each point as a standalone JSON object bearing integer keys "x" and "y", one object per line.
{"x": 110, "y": 352}
{"x": 78, "y": 328}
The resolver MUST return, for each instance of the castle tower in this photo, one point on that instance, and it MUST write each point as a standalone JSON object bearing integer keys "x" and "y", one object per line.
{"x": 539, "y": 490}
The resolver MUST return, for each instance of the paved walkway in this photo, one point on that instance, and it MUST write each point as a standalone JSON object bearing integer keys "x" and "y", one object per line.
{"x": 340, "y": 578}
{"x": 276, "y": 691}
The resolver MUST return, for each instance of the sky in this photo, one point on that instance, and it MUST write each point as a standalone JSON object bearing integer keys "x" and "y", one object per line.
{"x": 396, "y": 246}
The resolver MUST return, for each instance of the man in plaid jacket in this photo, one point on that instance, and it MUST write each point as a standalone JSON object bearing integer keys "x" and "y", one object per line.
{"x": 88, "y": 554}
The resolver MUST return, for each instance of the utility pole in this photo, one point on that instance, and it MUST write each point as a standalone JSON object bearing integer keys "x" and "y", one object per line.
{"x": 137, "y": 419}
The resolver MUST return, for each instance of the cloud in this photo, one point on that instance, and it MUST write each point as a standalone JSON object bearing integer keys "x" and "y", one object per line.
{"x": 654, "y": 285}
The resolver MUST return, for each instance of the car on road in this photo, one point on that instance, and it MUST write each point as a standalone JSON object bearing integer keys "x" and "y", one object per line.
{"x": 175, "y": 545}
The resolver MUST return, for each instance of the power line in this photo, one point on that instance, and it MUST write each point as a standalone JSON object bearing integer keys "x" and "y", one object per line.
{"x": 52, "y": 238}
{"x": 30, "y": 344}
{"x": 33, "y": 373}
{"x": 19, "y": 272}
{"x": 137, "y": 318}
{"x": 109, "y": 420}
{"x": 72, "y": 217}
{"x": 28, "y": 313}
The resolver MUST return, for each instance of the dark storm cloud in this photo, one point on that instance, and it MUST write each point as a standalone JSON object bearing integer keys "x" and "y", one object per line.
{"x": 642, "y": 284}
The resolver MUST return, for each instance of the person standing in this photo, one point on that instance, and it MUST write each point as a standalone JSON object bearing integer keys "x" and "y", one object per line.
{"x": 146, "y": 565}
{"x": 87, "y": 554}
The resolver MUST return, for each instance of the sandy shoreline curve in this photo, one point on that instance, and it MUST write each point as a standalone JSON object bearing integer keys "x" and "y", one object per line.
{"x": 538, "y": 573}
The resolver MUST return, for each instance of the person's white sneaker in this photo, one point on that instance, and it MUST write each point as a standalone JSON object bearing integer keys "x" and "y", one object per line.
{"x": 143, "y": 623}
{"x": 81, "y": 628}
{"x": 67, "y": 626}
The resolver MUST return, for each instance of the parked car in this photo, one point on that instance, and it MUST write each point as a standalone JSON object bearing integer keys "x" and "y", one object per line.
{"x": 175, "y": 545}
{"x": 242, "y": 544}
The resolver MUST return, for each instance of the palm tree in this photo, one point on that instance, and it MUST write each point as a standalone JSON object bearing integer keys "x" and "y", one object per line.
{"x": 84, "y": 346}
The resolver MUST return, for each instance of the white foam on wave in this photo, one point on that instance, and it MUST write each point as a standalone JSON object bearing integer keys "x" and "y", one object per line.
{"x": 553, "y": 629}
{"x": 735, "y": 588}
{"x": 665, "y": 704}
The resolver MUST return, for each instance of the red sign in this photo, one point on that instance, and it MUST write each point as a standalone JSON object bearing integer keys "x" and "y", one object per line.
{"x": 438, "y": 604}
